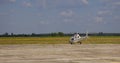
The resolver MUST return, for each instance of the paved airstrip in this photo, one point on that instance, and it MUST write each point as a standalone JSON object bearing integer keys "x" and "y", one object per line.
{"x": 60, "y": 53}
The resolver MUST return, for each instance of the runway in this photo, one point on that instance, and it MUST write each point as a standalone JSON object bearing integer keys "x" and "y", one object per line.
{"x": 60, "y": 53}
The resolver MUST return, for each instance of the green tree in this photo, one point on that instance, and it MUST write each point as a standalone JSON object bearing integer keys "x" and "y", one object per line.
{"x": 60, "y": 33}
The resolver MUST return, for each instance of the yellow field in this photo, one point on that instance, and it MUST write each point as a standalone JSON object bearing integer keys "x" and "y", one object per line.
{"x": 103, "y": 40}
{"x": 59, "y": 40}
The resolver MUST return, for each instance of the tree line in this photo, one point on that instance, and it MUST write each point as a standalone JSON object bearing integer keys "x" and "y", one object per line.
{"x": 56, "y": 34}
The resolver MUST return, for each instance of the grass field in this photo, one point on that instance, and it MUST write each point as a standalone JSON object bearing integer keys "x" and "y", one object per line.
{"x": 59, "y": 40}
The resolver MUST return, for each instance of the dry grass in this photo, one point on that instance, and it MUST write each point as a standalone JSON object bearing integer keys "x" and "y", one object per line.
{"x": 34, "y": 40}
{"x": 59, "y": 40}
{"x": 103, "y": 40}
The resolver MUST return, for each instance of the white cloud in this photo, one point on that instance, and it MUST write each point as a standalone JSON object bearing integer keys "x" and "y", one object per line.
{"x": 68, "y": 13}
{"x": 44, "y": 4}
{"x": 67, "y": 20}
{"x": 117, "y": 17}
{"x": 44, "y": 22}
{"x": 113, "y": 4}
{"x": 12, "y": 1}
{"x": 116, "y": 3}
{"x": 104, "y": 12}
{"x": 98, "y": 19}
{"x": 85, "y": 2}
{"x": 27, "y": 4}
{"x": 41, "y": 3}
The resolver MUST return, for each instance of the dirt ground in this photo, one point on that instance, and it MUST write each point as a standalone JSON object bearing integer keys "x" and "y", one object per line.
{"x": 60, "y": 53}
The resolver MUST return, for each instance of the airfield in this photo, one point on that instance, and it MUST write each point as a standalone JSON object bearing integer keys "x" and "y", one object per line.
{"x": 60, "y": 53}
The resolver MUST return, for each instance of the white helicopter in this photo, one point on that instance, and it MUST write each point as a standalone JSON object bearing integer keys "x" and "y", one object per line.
{"x": 77, "y": 38}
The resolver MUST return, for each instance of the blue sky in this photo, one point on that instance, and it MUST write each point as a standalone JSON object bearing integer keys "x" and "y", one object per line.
{"x": 46, "y": 16}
